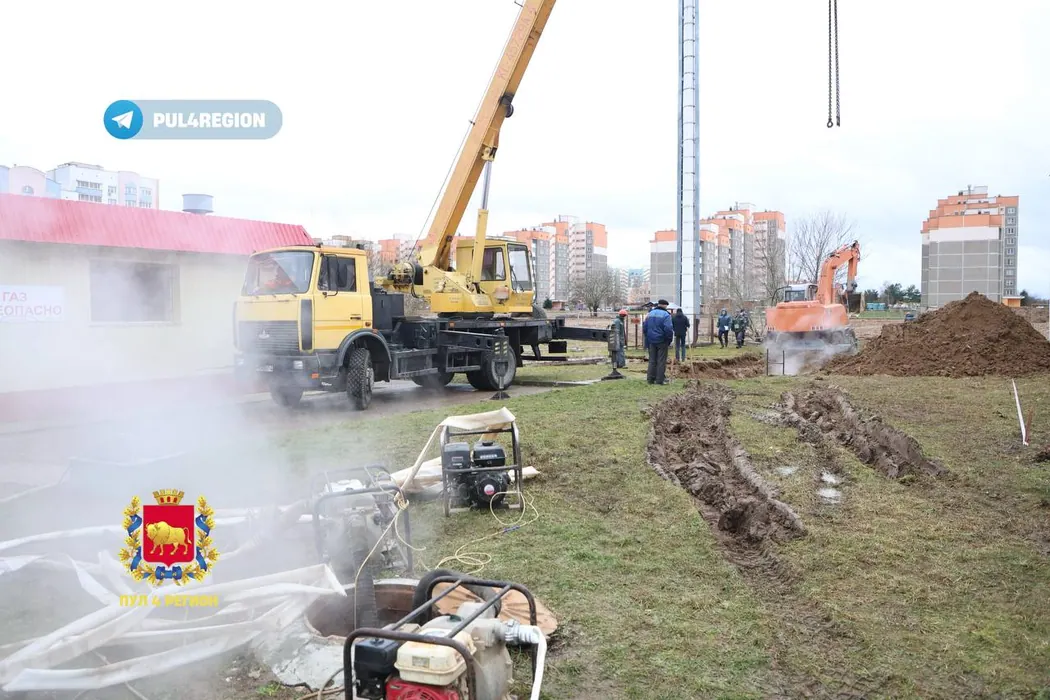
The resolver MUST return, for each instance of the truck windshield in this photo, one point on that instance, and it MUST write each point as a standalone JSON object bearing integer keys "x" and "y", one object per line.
{"x": 284, "y": 272}
{"x": 519, "y": 268}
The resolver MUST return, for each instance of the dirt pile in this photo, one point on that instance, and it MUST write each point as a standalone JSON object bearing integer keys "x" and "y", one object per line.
{"x": 967, "y": 338}
{"x": 690, "y": 445}
{"x": 820, "y": 413}
{"x": 736, "y": 367}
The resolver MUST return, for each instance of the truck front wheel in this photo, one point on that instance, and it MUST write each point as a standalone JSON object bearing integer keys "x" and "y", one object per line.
{"x": 359, "y": 378}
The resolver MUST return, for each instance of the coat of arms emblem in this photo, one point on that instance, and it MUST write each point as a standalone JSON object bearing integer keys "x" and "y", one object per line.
{"x": 168, "y": 541}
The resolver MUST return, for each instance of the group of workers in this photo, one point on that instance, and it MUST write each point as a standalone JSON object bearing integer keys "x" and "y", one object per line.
{"x": 660, "y": 328}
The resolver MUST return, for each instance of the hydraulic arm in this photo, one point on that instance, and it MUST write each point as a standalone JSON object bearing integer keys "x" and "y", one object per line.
{"x": 460, "y": 291}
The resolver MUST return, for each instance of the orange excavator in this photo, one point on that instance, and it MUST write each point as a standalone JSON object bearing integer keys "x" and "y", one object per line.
{"x": 814, "y": 317}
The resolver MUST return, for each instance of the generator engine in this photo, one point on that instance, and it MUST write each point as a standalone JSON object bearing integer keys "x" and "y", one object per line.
{"x": 472, "y": 475}
{"x": 392, "y": 670}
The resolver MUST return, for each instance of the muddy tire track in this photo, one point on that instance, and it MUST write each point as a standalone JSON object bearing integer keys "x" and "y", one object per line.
{"x": 691, "y": 445}
{"x": 822, "y": 414}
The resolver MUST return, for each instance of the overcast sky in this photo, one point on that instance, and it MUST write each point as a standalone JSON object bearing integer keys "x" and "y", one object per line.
{"x": 376, "y": 96}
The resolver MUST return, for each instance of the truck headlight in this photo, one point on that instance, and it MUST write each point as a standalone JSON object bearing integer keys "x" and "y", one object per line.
{"x": 297, "y": 364}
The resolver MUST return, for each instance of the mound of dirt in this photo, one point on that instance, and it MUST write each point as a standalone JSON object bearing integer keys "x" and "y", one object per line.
{"x": 691, "y": 446}
{"x": 736, "y": 367}
{"x": 824, "y": 412}
{"x": 971, "y": 337}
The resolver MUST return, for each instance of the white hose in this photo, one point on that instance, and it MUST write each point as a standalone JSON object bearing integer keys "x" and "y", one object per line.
{"x": 530, "y": 634}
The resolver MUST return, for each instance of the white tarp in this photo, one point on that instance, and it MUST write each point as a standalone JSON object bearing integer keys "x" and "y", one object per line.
{"x": 256, "y": 611}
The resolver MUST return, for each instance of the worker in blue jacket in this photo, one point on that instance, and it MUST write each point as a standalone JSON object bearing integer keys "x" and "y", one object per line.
{"x": 659, "y": 332}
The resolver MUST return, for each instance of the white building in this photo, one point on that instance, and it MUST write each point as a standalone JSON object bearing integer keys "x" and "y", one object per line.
{"x": 102, "y": 306}
{"x": 92, "y": 183}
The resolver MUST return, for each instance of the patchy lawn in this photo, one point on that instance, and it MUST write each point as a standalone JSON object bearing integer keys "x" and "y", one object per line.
{"x": 936, "y": 589}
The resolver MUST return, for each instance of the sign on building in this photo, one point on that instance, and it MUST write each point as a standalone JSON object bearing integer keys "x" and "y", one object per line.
{"x": 31, "y": 304}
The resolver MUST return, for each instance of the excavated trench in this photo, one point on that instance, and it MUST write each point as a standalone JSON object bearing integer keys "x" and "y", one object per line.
{"x": 690, "y": 445}
{"x": 736, "y": 367}
{"x": 825, "y": 414}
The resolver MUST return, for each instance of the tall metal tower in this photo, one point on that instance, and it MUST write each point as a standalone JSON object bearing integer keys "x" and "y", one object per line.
{"x": 688, "y": 263}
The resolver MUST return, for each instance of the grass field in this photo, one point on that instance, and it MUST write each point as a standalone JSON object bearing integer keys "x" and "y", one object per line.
{"x": 927, "y": 589}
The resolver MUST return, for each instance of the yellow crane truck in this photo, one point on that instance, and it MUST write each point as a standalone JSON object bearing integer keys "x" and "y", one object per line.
{"x": 311, "y": 318}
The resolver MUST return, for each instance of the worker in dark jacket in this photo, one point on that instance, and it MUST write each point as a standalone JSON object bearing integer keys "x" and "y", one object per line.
{"x": 620, "y": 327}
{"x": 659, "y": 332}
{"x": 680, "y": 323}
{"x": 724, "y": 322}
{"x": 739, "y": 327}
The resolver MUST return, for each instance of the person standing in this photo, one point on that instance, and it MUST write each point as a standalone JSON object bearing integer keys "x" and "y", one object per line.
{"x": 620, "y": 327}
{"x": 724, "y": 322}
{"x": 680, "y": 323}
{"x": 659, "y": 332}
{"x": 739, "y": 326}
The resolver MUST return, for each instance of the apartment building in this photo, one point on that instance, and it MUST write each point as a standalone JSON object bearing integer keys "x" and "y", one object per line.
{"x": 542, "y": 242}
{"x": 588, "y": 249}
{"x": 81, "y": 182}
{"x": 742, "y": 255}
{"x": 770, "y": 248}
{"x": 969, "y": 244}
{"x": 663, "y": 265}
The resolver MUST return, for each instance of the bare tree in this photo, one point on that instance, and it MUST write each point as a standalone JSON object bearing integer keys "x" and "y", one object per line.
{"x": 377, "y": 266}
{"x": 593, "y": 290}
{"x": 814, "y": 239}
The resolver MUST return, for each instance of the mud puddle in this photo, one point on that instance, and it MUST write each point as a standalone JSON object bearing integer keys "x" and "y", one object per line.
{"x": 825, "y": 413}
{"x": 736, "y": 367}
{"x": 690, "y": 445}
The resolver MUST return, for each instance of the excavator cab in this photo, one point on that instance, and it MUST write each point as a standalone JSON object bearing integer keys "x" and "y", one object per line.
{"x": 506, "y": 273}
{"x": 798, "y": 292}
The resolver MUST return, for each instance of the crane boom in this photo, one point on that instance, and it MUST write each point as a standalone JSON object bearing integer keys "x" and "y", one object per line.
{"x": 483, "y": 139}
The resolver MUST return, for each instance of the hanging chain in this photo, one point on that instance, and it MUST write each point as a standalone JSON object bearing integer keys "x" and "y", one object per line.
{"x": 838, "y": 111}
{"x": 833, "y": 64}
{"x": 830, "y": 122}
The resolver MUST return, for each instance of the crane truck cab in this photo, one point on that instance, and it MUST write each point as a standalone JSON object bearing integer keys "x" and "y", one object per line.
{"x": 303, "y": 311}
{"x": 506, "y": 274}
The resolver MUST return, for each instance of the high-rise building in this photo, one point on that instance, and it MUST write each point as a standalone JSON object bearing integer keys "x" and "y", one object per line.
{"x": 542, "y": 242}
{"x": 770, "y": 263}
{"x": 588, "y": 250}
{"x": 969, "y": 244}
{"x": 84, "y": 183}
{"x": 742, "y": 255}
{"x": 663, "y": 265}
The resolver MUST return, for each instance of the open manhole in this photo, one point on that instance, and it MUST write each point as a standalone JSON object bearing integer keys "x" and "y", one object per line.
{"x": 334, "y": 615}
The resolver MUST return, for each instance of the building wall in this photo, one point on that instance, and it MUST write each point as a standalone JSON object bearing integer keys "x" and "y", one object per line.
{"x": 78, "y": 351}
{"x": 969, "y": 243}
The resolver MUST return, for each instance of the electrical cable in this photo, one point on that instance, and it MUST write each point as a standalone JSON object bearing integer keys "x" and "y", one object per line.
{"x": 478, "y": 560}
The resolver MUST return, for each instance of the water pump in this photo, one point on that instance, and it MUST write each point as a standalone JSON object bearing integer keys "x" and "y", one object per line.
{"x": 426, "y": 656}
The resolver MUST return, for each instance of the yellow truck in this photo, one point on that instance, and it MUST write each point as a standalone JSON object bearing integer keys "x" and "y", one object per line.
{"x": 309, "y": 318}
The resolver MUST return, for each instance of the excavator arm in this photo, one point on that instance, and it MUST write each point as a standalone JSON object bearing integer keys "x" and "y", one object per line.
{"x": 480, "y": 147}
{"x": 846, "y": 255}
